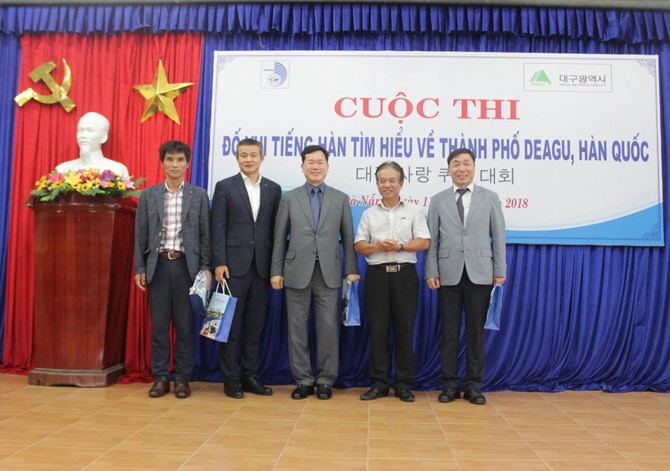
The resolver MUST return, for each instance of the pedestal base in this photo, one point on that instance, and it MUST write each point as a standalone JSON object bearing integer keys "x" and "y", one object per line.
{"x": 81, "y": 378}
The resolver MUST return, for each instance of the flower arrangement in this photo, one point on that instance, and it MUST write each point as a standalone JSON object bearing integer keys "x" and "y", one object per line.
{"x": 90, "y": 182}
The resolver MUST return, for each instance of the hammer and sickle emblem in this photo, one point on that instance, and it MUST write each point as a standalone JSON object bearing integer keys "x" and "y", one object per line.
{"x": 59, "y": 92}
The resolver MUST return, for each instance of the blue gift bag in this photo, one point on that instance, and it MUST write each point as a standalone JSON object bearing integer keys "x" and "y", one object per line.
{"x": 219, "y": 315}
{"x": 351, "y": 308}
{"x": 493, "y": 314}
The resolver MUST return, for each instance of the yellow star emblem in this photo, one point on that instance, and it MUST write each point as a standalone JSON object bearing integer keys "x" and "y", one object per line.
{"x": 160, "y": 95}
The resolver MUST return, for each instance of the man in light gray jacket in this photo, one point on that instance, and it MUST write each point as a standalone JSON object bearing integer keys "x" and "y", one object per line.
{"x": 466, "y": 257}
{"x": 316, "y": 217}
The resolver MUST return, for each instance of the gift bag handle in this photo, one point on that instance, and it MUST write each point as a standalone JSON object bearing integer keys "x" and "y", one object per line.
{"x": 225, "y": 288}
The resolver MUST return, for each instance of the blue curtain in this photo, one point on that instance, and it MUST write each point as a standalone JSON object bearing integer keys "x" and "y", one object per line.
{"x": 574, "y": 317}
{"x": 10, "y": 51}
{"x": 319, "y": 19}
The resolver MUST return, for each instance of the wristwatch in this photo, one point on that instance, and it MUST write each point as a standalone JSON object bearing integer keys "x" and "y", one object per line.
{"x": 402, "y": 248}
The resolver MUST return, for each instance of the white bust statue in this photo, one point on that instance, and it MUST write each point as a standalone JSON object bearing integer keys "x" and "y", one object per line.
{"x": 92, "y": 133}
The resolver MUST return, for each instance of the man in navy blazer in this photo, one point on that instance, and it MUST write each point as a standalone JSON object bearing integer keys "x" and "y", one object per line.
{"x": 243, "y": 217}
{"x": 171, "y": 246}
{"x": 316, "y": 217}
{"x": 466, "y": 257}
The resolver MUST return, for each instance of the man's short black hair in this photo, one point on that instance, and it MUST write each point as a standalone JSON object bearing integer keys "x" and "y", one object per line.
{"x": 313, "y": 148}
{"x": 176, "y": 147}
{"x": 249, "y": 142}
{"x": 460, "y": 151}
{"x": 395, "y": 166}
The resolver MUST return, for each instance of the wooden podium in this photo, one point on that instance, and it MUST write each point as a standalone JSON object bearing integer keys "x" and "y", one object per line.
{"x": 83, "y": 259}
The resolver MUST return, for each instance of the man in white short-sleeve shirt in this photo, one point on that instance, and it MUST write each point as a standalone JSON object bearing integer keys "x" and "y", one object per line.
{"x": 389, "y": 235}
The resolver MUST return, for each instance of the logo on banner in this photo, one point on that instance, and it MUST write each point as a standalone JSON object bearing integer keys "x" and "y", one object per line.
{"x": 540, "y": 78}
{"x": 568, "y": 76}
{"x": 274, "y": 74}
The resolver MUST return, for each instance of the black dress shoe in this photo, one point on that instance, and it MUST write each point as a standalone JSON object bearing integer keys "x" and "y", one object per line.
{"x": 253, "y": 386}
{"x": 302, "y": 391}
{"x": 405, "y": 395}
{"x": 181, "y": 388}
{"x": 474, "y": 396}
{"x": 160, "y": 387}
{"x": 449, "y": 395}
{"x": 233, "y": 390}
{"x": 323, "y": 392}
{"x": 374, "y": 393}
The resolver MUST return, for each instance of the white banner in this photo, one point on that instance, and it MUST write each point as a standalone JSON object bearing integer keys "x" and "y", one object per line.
{"x": 571, "y": 143}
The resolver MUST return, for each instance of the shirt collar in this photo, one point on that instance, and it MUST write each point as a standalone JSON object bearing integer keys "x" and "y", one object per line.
{"x": 309, "y": 187}
{"x": 399, "y": 205}
{"x": 470, "y": 187}
{"x": 247, "y": 180}
{"x": 181, "y": 187}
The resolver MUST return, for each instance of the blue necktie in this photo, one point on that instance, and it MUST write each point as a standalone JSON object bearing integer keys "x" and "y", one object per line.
{"x": 315, "y": 203}
{"x": 459, "y": 203}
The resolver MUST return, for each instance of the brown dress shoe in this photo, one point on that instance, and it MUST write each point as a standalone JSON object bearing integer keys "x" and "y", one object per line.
{"x": 160, "y": 387}
{"x": 181, "y": 388}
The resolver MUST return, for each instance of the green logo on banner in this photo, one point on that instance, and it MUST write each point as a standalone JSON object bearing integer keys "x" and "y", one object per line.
{"x": 540, "y": 78}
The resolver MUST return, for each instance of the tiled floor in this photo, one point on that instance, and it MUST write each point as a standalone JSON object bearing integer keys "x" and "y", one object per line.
{"x": 66, "y": 428}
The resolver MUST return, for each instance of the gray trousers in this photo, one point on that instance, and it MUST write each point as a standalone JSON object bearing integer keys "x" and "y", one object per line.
{"x": 326, "y": 303}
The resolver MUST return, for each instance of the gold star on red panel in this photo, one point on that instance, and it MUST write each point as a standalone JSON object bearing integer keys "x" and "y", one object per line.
{"x": 160, "y": 95}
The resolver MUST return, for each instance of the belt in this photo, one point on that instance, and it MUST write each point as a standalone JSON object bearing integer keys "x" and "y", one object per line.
{"x": 171, "y": 255}
{"x": 392, "y": 267}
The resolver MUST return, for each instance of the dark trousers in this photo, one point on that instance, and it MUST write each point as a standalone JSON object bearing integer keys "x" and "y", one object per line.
{"x": 391, "y": 299}
{"x": 244, "y": 340}
{"x": 453, "y": 300}
{"x": 168, "y": 299}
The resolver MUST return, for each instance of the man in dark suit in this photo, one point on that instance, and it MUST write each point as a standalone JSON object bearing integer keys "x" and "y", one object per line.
{"x": 243, "y": 217}
{"x": 171, "y": 246}
{"x": 316, "y": 217}
{"x": 466, "y": 257}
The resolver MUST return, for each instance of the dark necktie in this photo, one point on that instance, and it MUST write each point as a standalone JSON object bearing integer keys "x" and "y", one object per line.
{"x": 315, "y": 203}
{"x": 459, "y": 203}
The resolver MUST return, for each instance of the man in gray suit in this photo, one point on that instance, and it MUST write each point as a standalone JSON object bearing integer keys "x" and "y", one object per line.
{"x": 316, "y": 217}
{"x": 171, "y": 246}
{"x": 466, "y": 257}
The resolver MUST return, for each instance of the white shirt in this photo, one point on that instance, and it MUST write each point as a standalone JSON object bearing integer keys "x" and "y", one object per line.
{"x": 254, "y": 192}
{"x": 467, "y": 198}
{"x": 404, "y": 222}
